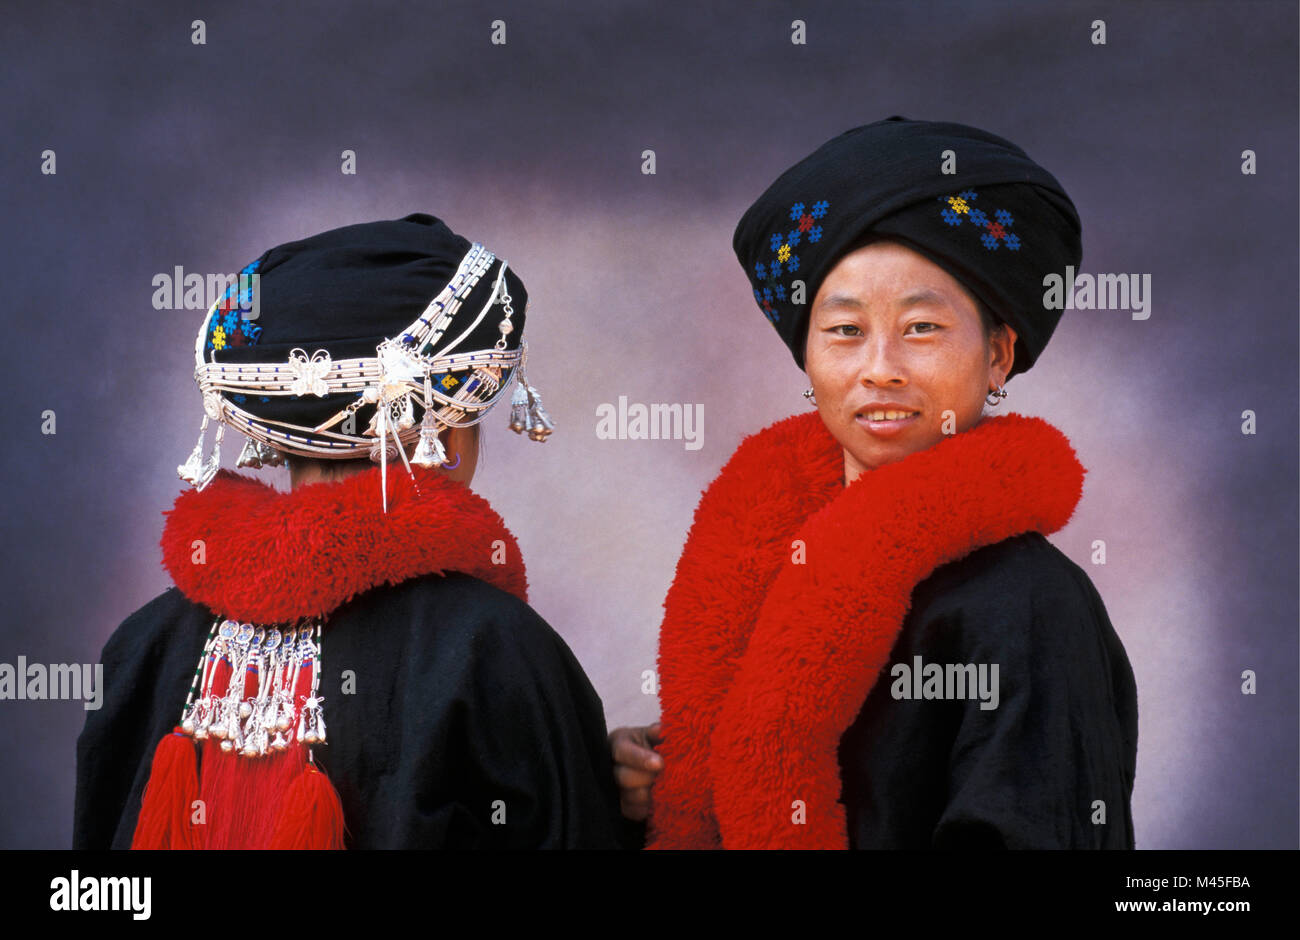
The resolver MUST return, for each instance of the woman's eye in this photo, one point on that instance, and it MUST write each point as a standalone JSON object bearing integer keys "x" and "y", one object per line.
{"x": 846, "y": 329}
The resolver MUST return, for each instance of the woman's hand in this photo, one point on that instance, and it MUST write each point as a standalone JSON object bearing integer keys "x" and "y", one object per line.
{"x": 636, "y": 765}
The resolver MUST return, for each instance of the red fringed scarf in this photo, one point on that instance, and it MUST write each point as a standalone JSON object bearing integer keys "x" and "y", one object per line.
{"x": 250, "y": 553}
{"x": 788, "y": 598}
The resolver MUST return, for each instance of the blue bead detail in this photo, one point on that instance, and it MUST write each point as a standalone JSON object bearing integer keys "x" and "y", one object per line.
{"x": 229, "y": 317}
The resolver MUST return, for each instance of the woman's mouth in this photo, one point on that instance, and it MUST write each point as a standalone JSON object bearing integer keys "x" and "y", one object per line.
{"x": 886, "y": 422}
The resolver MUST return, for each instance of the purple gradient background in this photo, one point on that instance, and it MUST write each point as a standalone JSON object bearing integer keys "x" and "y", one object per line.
{"x": 203, "y": 156}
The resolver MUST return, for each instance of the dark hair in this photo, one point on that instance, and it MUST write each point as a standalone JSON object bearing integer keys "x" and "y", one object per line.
{"x": 296, "y": 463}
{"x": 327, "y": 466}
{"x": 301, "y": 462}
{"x": 987, "y": 320}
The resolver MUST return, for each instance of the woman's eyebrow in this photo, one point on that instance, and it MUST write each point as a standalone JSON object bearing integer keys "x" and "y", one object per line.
{"x": 842, "y": 300}
{"x": 924, "y": 296}
{"x": 921, "y": 297}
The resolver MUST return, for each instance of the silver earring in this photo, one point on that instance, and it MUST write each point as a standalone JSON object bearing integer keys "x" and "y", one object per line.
{"x": 995, "y": 397}
{"x": 808, "y": 394}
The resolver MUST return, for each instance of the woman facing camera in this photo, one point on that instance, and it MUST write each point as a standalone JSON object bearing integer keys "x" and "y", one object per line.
{"x": 869, "y": 641}
{"x": 380, "y": 593}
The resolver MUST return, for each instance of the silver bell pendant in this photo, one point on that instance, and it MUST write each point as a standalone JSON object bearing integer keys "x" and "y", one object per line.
{"x": 519, "y": 409}
{"x": 540, "y": 424}
{"x": 256, "y": 455}
{"x": 526, "y": 412}
{"x": 429, "y": 452}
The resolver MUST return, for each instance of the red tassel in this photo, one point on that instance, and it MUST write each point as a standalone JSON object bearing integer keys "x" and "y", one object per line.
{"x": 164, "y": 821}
{"x": 312, "y": 815}
{"x": 242, "y": 795}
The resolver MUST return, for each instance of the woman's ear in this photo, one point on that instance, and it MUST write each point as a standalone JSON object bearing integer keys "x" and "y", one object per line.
{"x": 461, "y": 445}
{"x": 1002, "y": 345}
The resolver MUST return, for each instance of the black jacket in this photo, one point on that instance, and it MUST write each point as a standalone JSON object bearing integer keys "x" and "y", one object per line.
{"x": 457, "y": 718}
{"x": 1036, "y": 771}
{"x": 947, "y": 774}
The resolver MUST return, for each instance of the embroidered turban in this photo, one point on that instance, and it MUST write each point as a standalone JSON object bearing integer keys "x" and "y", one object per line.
{"x": 998, "y": 225}
{"x": 357, "y": 342}
{"x": 345, "y": 291}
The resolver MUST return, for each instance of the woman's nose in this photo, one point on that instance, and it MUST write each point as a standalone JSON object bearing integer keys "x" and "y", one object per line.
{"x": 881, "y": 363}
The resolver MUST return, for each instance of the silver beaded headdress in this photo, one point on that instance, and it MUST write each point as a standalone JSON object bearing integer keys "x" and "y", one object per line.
{"x": 417, "y": 368}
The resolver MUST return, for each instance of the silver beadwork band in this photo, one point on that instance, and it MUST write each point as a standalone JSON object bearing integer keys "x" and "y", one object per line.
{"x": 397, "y": 378}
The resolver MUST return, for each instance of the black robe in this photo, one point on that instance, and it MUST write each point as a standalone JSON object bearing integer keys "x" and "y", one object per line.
{"x": 462, "y": 696}
{"x": 1024, "y": 775}
{"x": 946, "y": 774}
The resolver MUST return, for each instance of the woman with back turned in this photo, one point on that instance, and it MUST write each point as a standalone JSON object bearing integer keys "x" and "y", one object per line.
{"x": 351, "y": 664}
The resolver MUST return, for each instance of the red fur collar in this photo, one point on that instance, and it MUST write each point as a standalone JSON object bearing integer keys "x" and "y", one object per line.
{"x": 272, "y": 557}
{"x": 788, "y": 598}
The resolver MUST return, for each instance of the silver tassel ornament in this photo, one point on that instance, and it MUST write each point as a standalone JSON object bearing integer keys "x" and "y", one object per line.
{"x": 191, "y": 469}
{"x": 195, "y": 470}
{"x": 214, "y": 461}
{"x": 429, "y": 452}
{"x": 407, "y": 418}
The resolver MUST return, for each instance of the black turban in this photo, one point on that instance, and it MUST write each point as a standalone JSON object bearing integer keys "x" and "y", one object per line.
{"x": 345, "y": 291}
{"x": 998, "y": 226}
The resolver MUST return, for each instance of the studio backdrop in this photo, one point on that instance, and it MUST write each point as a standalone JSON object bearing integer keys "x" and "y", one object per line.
{"x": 607, "y": 150}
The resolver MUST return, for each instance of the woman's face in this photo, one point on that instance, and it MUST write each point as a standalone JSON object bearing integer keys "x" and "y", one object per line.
{"x": 891, "y": 331}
